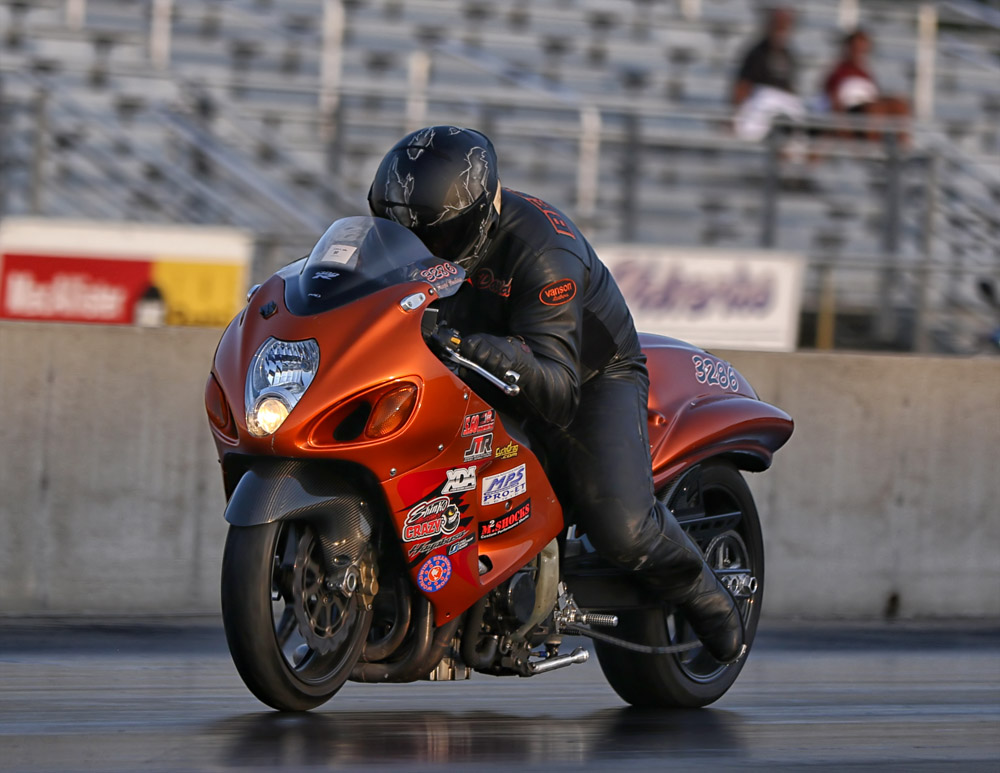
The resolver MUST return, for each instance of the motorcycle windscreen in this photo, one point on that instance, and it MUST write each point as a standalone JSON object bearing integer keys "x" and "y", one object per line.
{"x": 358, "y": 256}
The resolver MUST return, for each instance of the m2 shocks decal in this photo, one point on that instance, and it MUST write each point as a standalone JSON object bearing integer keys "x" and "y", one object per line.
{"x": 498, "y": 526}
{"x": 558, "y": 292}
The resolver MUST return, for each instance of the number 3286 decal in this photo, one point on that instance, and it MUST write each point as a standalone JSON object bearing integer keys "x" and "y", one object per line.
{"x": 713, "y": 372}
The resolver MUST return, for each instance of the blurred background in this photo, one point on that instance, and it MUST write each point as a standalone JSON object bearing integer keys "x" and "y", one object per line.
{"x": 159, "y": 156}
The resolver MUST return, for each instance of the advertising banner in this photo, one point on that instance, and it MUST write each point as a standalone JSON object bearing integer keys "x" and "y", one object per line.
{"x": 713, "y": 298}
{"x": 121, "y": 273}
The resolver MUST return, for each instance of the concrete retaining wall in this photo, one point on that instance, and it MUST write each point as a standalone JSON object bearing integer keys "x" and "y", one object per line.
{"x": 885, "y": 499}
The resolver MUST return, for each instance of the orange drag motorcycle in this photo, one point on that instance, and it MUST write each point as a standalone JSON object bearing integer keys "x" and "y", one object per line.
{"x": 388, "y": 524}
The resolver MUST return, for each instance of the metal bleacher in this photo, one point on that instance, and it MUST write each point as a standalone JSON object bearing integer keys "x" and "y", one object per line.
{"x": 245, "y": 118}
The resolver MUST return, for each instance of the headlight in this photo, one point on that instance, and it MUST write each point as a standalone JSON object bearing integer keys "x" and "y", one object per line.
{"x": 280, "y": 372}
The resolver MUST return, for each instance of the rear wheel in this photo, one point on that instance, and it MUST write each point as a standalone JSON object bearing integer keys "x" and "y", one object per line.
{"x": 295, "y": 625}
{"x": 727, "y": 528}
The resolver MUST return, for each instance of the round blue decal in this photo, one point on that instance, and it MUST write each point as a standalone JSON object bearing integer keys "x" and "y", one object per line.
{"x": 434, "y": 574}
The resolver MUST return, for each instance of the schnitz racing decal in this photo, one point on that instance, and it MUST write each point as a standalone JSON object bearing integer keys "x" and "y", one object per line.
{"x": 498, "y": 526}
{"x": 713, "y": 372}
{"x": 431, "y": 518}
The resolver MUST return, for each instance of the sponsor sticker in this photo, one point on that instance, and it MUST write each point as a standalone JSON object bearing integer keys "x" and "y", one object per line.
{"x": 339, "y": 253}
{"x": 460, "y": 479}
{"x": 481, "y": 448}
{"x": 504, "y": 486}
{"x": 558, "y": 292}
{"x": 462, "y": 544}
{"x": 508, "y": 451}
{"x": 434, "y": 574}
{"x": 476, "y": 423}
{"x": 423, "y": 548}
{"x": 430, "y": 518}
{"x": 498, "y": 526}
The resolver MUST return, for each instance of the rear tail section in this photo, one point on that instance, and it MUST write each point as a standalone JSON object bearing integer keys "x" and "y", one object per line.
{"x": 700, "y": 407}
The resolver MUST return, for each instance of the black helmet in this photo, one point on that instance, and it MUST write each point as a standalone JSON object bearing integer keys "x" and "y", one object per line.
{"x": 441, "y": 182}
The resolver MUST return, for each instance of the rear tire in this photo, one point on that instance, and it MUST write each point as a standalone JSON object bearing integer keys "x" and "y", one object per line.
{"x": 693, "y": 678}
{"x": 293, "y": 641}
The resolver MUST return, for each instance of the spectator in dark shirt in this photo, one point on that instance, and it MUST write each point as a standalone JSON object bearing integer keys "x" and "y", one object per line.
{"x": 851, "y": 88}
{"x": 764, "y": 87}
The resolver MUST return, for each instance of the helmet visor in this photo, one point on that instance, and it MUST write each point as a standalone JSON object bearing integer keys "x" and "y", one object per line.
{"x": 454, "y": 239}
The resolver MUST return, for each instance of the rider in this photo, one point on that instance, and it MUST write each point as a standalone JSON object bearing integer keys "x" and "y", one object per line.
{"x": 539, "y": 302}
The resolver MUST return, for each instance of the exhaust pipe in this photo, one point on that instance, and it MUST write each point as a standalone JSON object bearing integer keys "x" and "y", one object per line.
{"x": 579, "y": 655}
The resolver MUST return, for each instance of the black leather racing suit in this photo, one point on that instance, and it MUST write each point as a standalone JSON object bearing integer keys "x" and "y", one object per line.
{"x": 541, "y": 303}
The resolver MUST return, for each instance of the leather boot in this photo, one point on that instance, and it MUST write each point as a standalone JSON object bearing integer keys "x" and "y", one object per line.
{"x": 675, "y": 566}
{"x": 711, "y": 611}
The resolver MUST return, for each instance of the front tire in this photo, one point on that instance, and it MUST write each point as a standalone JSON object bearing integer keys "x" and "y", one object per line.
{"x": 694, "y": 678}
{"x": 293, "y": 638}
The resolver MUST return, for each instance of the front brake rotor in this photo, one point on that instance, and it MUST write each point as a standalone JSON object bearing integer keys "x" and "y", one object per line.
{"x": 322, "y": 599}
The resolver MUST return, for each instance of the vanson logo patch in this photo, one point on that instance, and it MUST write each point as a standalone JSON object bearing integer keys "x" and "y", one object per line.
{"x": 557, "y": 293}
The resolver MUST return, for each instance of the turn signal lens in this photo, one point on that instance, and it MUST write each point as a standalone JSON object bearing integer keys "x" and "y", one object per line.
{"x": 215, "y": 404}
{"x": 392, "y": 411}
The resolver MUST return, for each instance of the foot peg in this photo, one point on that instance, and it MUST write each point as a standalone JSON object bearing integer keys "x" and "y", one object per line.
{"x": 601, "y": 621}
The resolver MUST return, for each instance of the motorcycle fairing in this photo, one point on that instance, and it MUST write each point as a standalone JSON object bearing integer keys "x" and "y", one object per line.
{"x": 501, "y": 555}
{"x": 691, "y": 418}
{"x": 354, "y": 357}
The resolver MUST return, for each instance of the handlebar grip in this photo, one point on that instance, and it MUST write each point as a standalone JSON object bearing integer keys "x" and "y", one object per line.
{"x": 449, "y": 340}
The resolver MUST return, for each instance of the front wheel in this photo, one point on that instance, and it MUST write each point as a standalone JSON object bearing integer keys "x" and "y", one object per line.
{"x": 294, "y": 625}
{"x": 727, "y": 529}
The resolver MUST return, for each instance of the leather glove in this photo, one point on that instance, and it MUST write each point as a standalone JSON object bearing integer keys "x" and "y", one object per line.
{"x": 496, "y": 354}
{"x": 538, "y": 376}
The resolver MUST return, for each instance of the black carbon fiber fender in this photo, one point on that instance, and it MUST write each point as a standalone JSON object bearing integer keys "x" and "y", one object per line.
{"x": 275, "y": 490}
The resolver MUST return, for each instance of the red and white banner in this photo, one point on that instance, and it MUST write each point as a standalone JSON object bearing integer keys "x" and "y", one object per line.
{"x": 52, "y": 287}
{"x": 74, "y": 271}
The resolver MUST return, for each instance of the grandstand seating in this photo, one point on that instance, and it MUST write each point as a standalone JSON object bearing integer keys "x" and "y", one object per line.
{"x": 231, "y": 129}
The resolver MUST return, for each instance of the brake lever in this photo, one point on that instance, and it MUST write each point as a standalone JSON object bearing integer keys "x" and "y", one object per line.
{"x": 508, "y": 386}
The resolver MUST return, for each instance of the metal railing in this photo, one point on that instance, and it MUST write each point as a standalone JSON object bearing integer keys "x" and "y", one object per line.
{"x": 936, "y": 229}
